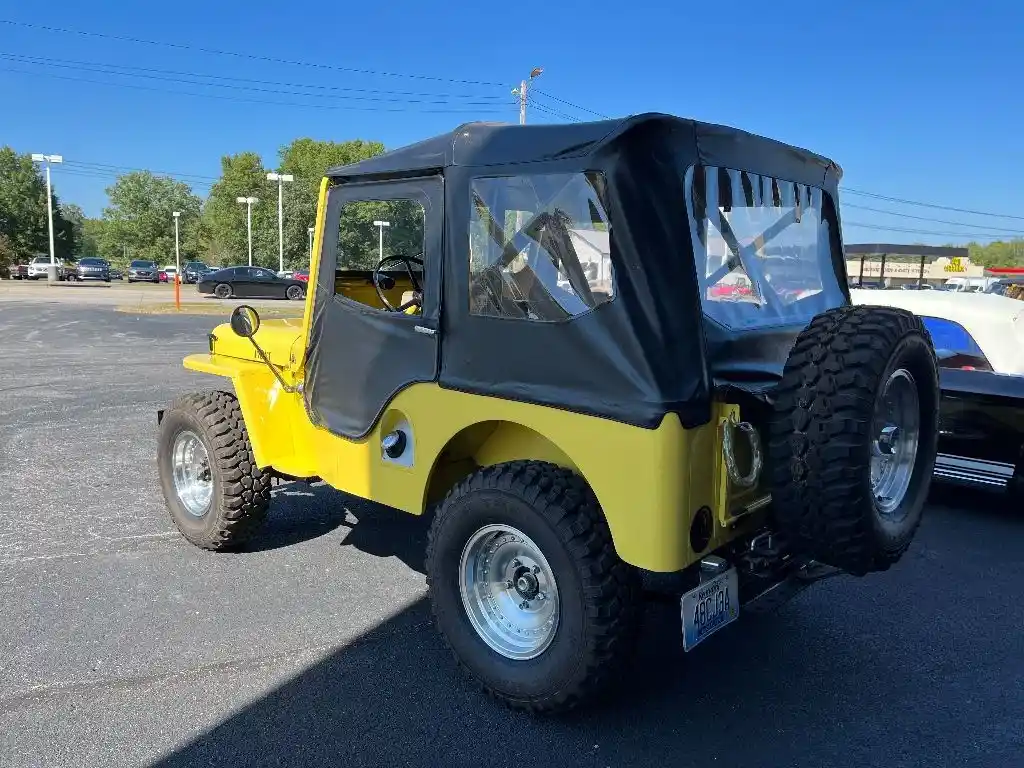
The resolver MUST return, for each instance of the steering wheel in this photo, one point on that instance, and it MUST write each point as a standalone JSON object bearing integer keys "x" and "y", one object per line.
{"x": 407, "y": 262}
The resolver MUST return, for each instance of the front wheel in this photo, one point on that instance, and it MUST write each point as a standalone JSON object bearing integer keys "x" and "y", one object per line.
{"x": 216, "y": 495}
{"x": 526, "y": 588}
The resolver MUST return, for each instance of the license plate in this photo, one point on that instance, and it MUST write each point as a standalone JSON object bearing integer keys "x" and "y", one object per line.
{"x": 709, "y": 607}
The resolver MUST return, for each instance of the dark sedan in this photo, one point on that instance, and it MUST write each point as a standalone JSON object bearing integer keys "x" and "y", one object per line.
{"x": 192, "y": 271}
{"x": 90, "y": 268}
{"x": 143, "y": 272}
{"x": 250, "y": 283}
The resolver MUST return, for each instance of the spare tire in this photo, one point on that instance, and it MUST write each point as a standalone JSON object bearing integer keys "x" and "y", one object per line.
{"x": 853, "y": 437}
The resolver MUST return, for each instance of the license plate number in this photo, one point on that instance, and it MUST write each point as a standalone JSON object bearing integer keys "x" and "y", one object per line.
{"x": 709, "y": 607}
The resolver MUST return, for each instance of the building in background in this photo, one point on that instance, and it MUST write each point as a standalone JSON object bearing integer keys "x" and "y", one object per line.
{"x": 895, "y": 265}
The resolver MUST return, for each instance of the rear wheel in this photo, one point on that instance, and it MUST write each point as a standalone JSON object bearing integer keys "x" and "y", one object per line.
{"x": 854, "y": 436}
{"x": 295, "y": 293}
{"x": 216, "y": 495}
{"x": 526, "y": 587}
{"x": 222, "y": 291}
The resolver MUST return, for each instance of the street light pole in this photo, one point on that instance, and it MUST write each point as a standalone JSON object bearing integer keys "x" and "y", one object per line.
{"x": 51, "y": 274}
{"x": 177, "y": 249}
{"x": 177, "y": 263}
{"x": 380, "y": 225}
{"x": 310, "y": 231}
{"x": 248, "y": 219}
{"x": 523, "y": 90}
{"x": 280, "y": 178}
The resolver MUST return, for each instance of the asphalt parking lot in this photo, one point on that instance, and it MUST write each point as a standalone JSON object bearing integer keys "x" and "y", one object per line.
{"x": 120, "y": 644}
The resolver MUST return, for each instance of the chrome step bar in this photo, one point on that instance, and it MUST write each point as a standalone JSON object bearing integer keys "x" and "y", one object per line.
{"x": 959, "y": 469}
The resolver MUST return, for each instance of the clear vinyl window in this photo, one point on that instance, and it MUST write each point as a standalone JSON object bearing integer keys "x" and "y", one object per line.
{"x": 762, "y": 248}
{"x": 539, "y": 246}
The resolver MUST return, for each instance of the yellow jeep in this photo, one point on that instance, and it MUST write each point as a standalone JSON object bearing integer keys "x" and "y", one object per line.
{"x": 588, "y": 351}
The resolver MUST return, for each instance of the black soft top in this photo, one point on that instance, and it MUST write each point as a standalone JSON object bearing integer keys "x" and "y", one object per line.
{"x": 483, "y": 144}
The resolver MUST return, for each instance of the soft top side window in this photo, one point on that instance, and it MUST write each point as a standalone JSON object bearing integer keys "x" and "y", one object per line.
{"x": 539, "y": 245}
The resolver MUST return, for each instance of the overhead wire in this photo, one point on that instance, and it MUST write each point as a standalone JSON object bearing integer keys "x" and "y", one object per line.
{"x": 243, "y": 55}
{"x": 221, "y": 97}
{"x": 1018, "y": 232}
{"x": 933, "y": 233}
{"x": 250, "y": 84}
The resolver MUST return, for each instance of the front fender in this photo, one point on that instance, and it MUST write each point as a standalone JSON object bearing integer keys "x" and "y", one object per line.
{"x": 275, "y": 420}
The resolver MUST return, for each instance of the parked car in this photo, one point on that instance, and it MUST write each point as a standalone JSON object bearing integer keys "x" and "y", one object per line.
{"x": 142, "y": 271}
{"x": 18, "y": 272}
{"x": 169, "y": 271}
{"x": 116, "y": 274}
{"x": 979, "y": 342}
{"x": 302, "y": 274}
{"x": 193, "y": 270}
{"x": 250, "y": 282}
{"x": 1003, "y": 285}
{"x": 91, "y": 268}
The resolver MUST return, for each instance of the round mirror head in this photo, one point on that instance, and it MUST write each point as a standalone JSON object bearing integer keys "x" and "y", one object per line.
{"x": 245, "y": 321}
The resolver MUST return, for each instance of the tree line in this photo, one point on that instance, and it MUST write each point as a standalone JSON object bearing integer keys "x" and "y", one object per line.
{"x": 137, "y": 223}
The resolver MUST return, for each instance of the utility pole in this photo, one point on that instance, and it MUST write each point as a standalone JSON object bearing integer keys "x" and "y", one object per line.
{"x": 523, "y": 90}
{"x": 248, "y": 219}
{"x": 280, "y": 178}
{"x": 380, "y": 225}
{"x": 51, "y": 273}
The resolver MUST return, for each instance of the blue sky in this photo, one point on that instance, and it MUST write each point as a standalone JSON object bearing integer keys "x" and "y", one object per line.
{"x": 915, "y": 100}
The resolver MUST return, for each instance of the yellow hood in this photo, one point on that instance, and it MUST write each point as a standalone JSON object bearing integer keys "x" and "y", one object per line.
{"x": 281, "y": 339}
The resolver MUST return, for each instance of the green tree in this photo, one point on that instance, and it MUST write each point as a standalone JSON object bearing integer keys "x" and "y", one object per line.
{"x": 92, "y": 242}
{"x": 23, "y": 213}
{"x": 307, "y": 159}
{"x": 999, "y": 253}
{"x": 223, "y": 227}
{"x": 139, "y": 217}
{"x": 74, "y": 222}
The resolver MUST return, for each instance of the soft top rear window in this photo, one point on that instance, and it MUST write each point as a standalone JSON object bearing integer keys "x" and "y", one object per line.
{"x": 763, "y": 248}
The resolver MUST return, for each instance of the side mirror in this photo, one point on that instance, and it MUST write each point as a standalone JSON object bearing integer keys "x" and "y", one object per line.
{"x": 245, "y": 321}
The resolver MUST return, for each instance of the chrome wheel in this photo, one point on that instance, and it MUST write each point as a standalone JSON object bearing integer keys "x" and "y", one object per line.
{"x": 193, "y": 481}
{"x": 509, "y": 592}
{"x": 896, "y": 427}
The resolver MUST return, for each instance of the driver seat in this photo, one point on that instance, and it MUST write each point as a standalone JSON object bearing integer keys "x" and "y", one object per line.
{"x": 408, "y": 296}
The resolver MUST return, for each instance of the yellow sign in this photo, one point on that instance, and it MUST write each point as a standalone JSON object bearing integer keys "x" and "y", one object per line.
{"x": 956, "y": 265}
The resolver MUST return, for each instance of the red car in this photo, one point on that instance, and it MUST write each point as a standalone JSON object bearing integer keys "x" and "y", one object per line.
{"x": 162, "y": 276}
{"x": 302, "y": 274}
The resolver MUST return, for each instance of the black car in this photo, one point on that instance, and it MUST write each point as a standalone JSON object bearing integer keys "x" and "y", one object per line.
{"x": 192, "y": 271}
{"x": 91, "y": 268}
{"x": 250, "y": 283}
{"x": 141, "y": 271}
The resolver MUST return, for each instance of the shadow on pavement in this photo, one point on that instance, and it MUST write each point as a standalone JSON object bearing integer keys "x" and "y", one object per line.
{"x": 771, "y": 691}
{"x": 301, "y": 512}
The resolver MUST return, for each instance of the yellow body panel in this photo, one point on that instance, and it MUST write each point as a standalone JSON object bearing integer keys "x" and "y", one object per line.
{"x": 649, "y": 482}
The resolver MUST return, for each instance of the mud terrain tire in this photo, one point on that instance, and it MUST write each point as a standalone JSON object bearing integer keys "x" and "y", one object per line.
{"x": 824, "y": 433}
{"x": 240, "y": 492}
{"x": 598, "y": 594}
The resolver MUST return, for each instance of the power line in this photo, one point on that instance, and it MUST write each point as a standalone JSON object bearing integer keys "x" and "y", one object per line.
{"x": 553, "y": 112}
{"x": 118, "y": 168}
{"x": 241, "y": 55}
{"x": 983, "y": 235}
{"x": 220, "y": 97}
{"x": 848, "y": 190}
{"x": 1018, "y": 232}
{"x": 570, "y": 104}
{"x": 178, "y": 77}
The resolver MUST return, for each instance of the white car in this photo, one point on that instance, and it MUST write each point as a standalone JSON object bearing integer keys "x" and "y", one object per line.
{"x": 984, "y": 328}
{"x": 170, "y": 270}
